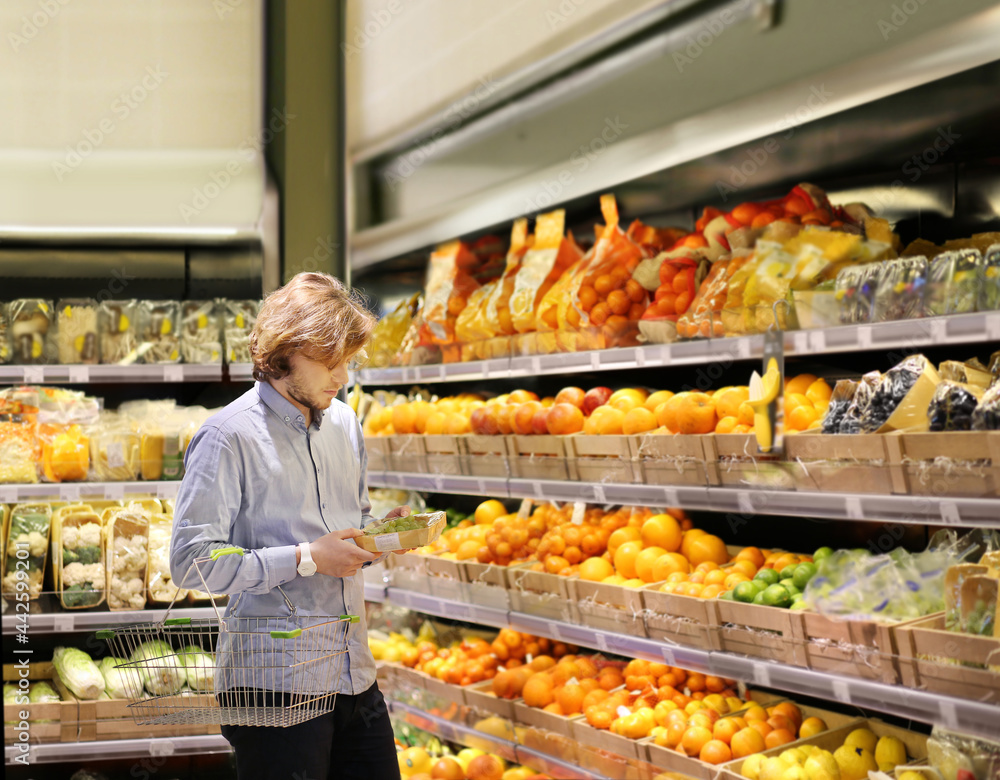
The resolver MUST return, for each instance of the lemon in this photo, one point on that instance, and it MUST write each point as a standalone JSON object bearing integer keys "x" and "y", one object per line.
{"x": 794, "y": 772}
{"x": 794, "y": 756}
{"x": 465, "y": 757}
{"x": 909, "y": 774}
{"x": 772, "y": 769}
{"x": 889, "y": 753}
{"x": 751, "y": 766}
{"x": 855, "y": 763}
{"x": 415, "y": 760}
{"x": 862, "y": 738}
{"x": 821, "y": 765}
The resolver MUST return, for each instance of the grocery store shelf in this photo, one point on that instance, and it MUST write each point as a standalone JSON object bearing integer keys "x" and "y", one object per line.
{"x": 108, "y": 750}
{"x": 240, "y": 372}
{"x": 62, "y": 622}
{"x": 114, "y": 374}
{"x": 935, "y": 331}
{"x": 75, "y": 491}
{"x": 920, "y": 510}
{"x": 374, "y": 592}
{"x": 456, "y": 610}
{"x": 927, "y": 707}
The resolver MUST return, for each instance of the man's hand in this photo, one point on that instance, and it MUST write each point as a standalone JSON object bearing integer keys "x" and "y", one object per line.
{"x": 399, "y": 511}
{"x": 336, "y": 556}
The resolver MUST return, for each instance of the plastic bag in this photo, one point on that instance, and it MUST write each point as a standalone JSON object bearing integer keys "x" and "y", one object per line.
{"x": 116, "y": 331}
{"x": 161, "y": 587}
{"x": 387, "y": 338}
{"x": 159, "y": 341}
{"x": 126, "y": 533}
{"x": 961, "y": 757}
{"x": 953, "y": 282}
{"x": 840, "y": 401}
{"x": 80, "y": 572}
{"x": 989, "y": 291}
{"x": 952, "y": 406}
{"x": 201, "y": 336}
{"x": 855, "y": 291}
{"x": 704, "y": 316}
{"x": 114, "y": 450}
{"x": 861, "y": 400}
{"x": 4, "y": 335}
{"x": 678, "y": 278}
{"x": 497, "y": 318}
{"x": 30, "y": 322}
{"x": 19, "y": 445}
{"x": 901, "y": 290}
{"x": 238, "y": 319}
{"x": 986, "y": 415}
{"x": 27, "y": 540}
{"x": 76, "y": 330}
{"x": 893, "y": 394}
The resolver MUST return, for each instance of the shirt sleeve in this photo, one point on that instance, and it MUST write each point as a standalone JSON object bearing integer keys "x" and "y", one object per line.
{"x": 208, "y": 503}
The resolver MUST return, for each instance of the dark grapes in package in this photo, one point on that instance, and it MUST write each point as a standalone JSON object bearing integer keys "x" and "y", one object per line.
{"x": 895, "y": 385}
{"x": 840, "y": 402}
{"x": 952, "y": 406}
{"x": 986, "y": 415}
{"x": 863, "y": 394}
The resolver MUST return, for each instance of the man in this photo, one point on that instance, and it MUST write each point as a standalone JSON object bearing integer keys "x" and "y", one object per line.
{"x": 281, "y": 473}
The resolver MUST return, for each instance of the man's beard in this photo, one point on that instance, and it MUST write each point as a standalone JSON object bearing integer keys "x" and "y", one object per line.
{"x": 296, "y": 392}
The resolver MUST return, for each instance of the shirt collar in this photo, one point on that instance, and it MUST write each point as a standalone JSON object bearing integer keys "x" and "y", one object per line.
{"x": 284, "y": 409}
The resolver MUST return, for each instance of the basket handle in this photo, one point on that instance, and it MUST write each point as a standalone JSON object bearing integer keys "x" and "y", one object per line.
{"x": 218, "y": 553}
{"x": 297, "y": 632}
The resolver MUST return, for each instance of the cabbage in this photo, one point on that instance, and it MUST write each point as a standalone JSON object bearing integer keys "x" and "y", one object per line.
{"x": 199, "y": 667}
{"x": 160, "y": 668}
{"x": 124, "y": 683}
{"x": 42, "y": 692}
{"x": 78, "y": 672}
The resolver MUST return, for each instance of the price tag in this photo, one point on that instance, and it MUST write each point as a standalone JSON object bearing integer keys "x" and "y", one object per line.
{"x": 69, "y": 492}
{"x": 114, "y": 491}
{"x": 852, "y": 505}
{"x": 801, "y": 342}
{"x": 595, "y": 360}
{"x": 486, "y": 369}
{"x": 579, "y": 509}
{"x": 993, "y": 327}
{"x": 744, "y": 503}
{"x": 640, "y": 357}
{"x": 670, "y": 497}
{"x": 461, "y": 612}
{"x": 841, "y": 691}
{"x": 602, "y": 642}
{"x": 939, "y": 332}
{"x": 481, "y": 484}
{"x": 34, "y": 375}
{"x": 599, "y": 494}
{"x": 536, "y": 365}
{"x": 743, "y": 347}
{"x": 817, "y": 341}
{"x": 948, "y": 714}
{"x": 556, "y": 633}
{"x": 173, "y": 373}
{"x": 668, "y": 656}
{"x": 79, "y": 375}
{"x": 442, "y": 374}
{"x": 864, "y": 336}
{"x": 538, "y": 490}
{"x": 525, "y": 510}
{"x": 949, "y": 513}
{"x": 62, "y": 623}
{"x": 762, "y": 675}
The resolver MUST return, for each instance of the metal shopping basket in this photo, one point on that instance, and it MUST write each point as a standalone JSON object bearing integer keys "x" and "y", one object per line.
{"x": 238, "y": 671}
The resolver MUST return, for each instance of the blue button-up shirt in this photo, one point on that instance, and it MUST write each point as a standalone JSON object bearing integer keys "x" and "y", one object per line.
{"x": 256, "y": 477}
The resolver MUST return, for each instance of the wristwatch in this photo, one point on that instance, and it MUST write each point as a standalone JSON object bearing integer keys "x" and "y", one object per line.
{"x": 306, "y": 567}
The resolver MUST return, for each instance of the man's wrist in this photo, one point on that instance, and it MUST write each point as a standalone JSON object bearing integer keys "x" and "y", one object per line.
{"x": 298, "y": 555}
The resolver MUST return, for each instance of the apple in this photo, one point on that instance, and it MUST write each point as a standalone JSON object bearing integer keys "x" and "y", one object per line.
{"x": 596, "y": 396}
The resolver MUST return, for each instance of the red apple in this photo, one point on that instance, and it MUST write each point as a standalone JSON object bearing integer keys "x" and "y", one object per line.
{"x": 596, "y": 396}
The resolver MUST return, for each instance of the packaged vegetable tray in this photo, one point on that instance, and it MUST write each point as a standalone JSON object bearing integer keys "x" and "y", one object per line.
{"x": 159, "y": 341}
{"x": 126, "y": 535}
{"x": 116, "y": 331}
{"x": 30, "y": 321}
{"x": 76, "y": 331}
{"x": 953, "y": 282}
{"x": 27, "y": 542}
{"x": 160, "y": 587}
{"x": 402, "y": 533}
{"x": 201, "y": 334}
{"x": 78, "y": 556}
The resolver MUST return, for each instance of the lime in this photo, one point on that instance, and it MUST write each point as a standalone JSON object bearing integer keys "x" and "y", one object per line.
{"x": 803, "y": 573}
{"x": 745, "y": 591}
{"x": 727, "y": 595}
{"x": 798, "y": 605}
{"x": 759, "y": 598}
{"x": 789, "y": 585}
{"x": 776, "y": 596}
{"x": 821, "y": 553}
{"x": 788, "y": 571}
{"x": 768, "y": 576}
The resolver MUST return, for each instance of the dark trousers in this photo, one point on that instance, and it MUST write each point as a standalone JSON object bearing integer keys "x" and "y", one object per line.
{"x": 354, "y": 742}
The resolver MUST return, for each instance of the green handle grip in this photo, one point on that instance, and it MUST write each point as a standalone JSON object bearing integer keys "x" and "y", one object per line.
{"x": 184, "y": 621}
{"x": 296, "y": 632}
{"x": 352, "y": 618}
{"x": 216, "y": 554}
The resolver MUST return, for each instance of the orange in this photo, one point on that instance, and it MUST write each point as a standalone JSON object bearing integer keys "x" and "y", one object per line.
{"x": 595, "y": 569}
{"x": 735, "y": 579}
{"x": 622, "y": 535}
{"x": 778, "y": 721}
{"x": 752, "y": 554}
{"x": 746, "y": 742}
{"x": 790, "y": 711}
{"x": 645, "y": 562}
{"x": 726, "y": 425}
{"x": 760, "y": 727}
{"x": 570, "y": 699}
{"x": 628, "y": 398}
{"x": 801, "y": 417}
{"x": 537, "y": 691}
{"x": 811, "y": 727}
{"x": 715, "y": 751}
{"x": 688, "y": 540}
{"x": 695, "y": 413}
{"x": 793, "y": 400}
{"x": 657, "y": 398}
{"x": 675, "y": 733}
{"x": 608, "y": 421}
{"x": 779, "y": 737}
{"x": 437, "y": 423}
{"x": 717, "y": 577}
{"x": 707, "y": 548}
{"x": 729, "y": 399}
{"x": 447, "y": 768}
{"x": 563, "y": 419}
{"x": 638, "y": 420}
{"x": 800, "y": 383}
{"x": 404, "y": 418}
{"x": 625, "y": 557}
{"x": 488, "y": 511}
{"x": 694, "y": 739}
{"x": 819, "y": 391}
{"x": 755, "y": 712}
{"x": 670, "y": 564}
{"x": 744, "y": 566}
{"x": 662, "y": 531}
{"x": 711, "y": 591}
{"x": 745, "y": 414}
{"x": 725, "y": 729}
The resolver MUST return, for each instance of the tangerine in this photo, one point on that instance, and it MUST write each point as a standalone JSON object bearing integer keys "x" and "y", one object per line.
{"x": 662, "y": 531}
{"x": 645, "y": 562}
{"x": 715, "y": 751}
{"x": 746, "y": 742}
{"x": 638, "y": 420}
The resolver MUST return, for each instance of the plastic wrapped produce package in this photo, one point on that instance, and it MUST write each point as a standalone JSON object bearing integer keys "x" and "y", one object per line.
{"x": 238, "y": 319}
{"x": 901, "y": 290}
{"x": 19, "y": 446}
{"x": 855, "y": 291}
{"x": 76, "y": 330}
{"x": 952, "y": 406}
{"x": 114, "y": 450}
{"x": 986, "y": 415}
{"x": 953, "y": 282}
{"x": 989, "y": 291}
{"x": 201, "y": 335}
{"x": 27, "y": 540}
{"x": 157, "y": 326}
{"x": 4, "y": 335}
{"x": 900, "y": 402}
{"x": 840, "y": 402}
{"x": 78, "y": 546}
{"x": 30, "y": 321}
{"x": 126, "y": 533}
{"x": 116, "y": 329}
{"x": 160, "y": 586}
{"x": 852, "y": 419}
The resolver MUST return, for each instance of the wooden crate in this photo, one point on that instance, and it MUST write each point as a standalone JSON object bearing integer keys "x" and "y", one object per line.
{"x": 63, "y": 715}
{"x": 540, "y": 594}
{"x": 672, "y": 459}
{"x": 953, "y": 463}
{"x": 113, "y": 719}
{"x": 444, "y": 454}
{"x": 604, "y": 458}
{"x": 479, "y": 697}
{"x": 843, "y": 463}
{"x": 446, "y": 578}
{"x": 682, "y": 620}
{"x": 856, "y": 648}
{"x": 486, "y": 585}
{"x": 547, "y": 721}
{"x": 757, "y": 631}
{"x": 923, "y": 645}
{"x": 408, "y": 453}
{"x": 609, "y": 607}
{"x": 539, "y": 457}
{"x": 484, "y": 456}
{"x": 674, "y": 761}
{"x": 603, "y": 739}
{"x": 379, "y": 453}
{"x": 542, "y": 740}
{"x": 734, "y": 462}
{"x": 408, "y": 571}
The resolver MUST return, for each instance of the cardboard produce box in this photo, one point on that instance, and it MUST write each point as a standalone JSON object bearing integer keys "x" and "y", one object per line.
{"x": 539, "y": 457}
{"x": 444, "y": 454}
{"x": 479, "y": 698}
{"x": 446, "y": 578}
{"x": 408, "y": 571}
{"x": 484, "y": 456}
{"x": 609, "y": 607}
{"x": 603, "y": 739}
{"x": 771, "y": 633}
{"x": 934, "y": 659}
{"x": 408, "y": 453}
{"x": 856, "y": 648}
{"x": 551, "y": 743}
{"x": 547, "y": 721}
{"x": 486, "y": 584}
{"x": 604, "y": 458}
{"x": 540, "y": 594}
{"x": 62, "y": 717}
{"x": 682, "y": 620}
{"x": 734, "y": 462}
{"x": 672, "y": 459}
{"x": 379, "y": 453}
{"x": 953, "y": 463}
{"x": 843, "y": 463}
